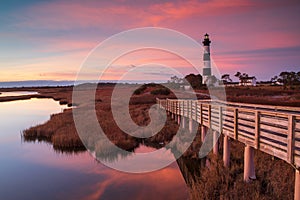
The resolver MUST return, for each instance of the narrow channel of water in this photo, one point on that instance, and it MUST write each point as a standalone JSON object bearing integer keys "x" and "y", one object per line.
{"x": 18, "y": 93}
{"x": 36, "y": 171}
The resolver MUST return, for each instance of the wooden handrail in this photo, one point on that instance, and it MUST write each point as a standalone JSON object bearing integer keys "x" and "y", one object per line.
{"x": 271, "y": 129}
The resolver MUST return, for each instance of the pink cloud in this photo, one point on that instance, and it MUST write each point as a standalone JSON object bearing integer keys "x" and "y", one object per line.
{"x": 65, "y": 15}
{"x": 234, "y": 25}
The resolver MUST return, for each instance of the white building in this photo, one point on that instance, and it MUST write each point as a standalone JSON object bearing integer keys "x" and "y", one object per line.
{"x": 247, "y": 81}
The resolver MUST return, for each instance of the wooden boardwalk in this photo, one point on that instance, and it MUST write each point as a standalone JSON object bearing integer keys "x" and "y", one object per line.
{"x": 274, "y": 130}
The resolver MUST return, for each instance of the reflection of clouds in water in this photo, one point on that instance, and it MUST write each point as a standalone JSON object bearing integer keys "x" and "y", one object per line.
{"x": 138, "y": 162}
{"x": 167, "y": 183}
{"x": 46, "y": 156}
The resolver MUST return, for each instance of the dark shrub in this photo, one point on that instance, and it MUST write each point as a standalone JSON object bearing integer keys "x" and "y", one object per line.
{"x": 161, "y": 91}
{"x": 140, "y": 90}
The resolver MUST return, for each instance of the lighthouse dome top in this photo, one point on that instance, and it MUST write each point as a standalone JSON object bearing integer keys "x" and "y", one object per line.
{"x": 206, "y": 41}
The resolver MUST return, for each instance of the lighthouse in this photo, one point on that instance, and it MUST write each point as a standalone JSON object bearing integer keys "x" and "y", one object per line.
{"x": 206, "y": 59}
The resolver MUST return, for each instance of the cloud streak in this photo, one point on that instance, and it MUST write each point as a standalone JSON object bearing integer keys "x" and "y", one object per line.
{"x": 240, "y": 30}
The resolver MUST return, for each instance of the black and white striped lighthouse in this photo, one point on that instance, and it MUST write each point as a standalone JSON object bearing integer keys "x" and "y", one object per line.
{"x": 206, "y": 59}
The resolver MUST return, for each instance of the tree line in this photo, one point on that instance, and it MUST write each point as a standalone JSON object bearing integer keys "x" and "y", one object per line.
{"x": 285, "y": 79}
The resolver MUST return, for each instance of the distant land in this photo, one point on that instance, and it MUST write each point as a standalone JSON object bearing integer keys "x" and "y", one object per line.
{"x": 52, "y": 83}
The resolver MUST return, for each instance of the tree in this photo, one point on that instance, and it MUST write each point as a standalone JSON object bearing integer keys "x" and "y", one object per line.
{"x": 241, "y": 76}
{"x": 226, "y": 78}
{"x": 194, "y": 80}
{"x": 175, "y": 82}
{"x": 244, "y": 78}
{"x": 274, "y": 79}
{"x": 238, "y": 74}
{"x": 287, "y": 78}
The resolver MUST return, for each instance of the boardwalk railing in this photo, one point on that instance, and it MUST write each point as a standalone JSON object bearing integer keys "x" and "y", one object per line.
{"x": 271, "y": 129}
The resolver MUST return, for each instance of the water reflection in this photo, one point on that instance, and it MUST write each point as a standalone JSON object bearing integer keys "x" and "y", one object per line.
{"x": 138, "y": 161}
{"x": 36, "y": 171}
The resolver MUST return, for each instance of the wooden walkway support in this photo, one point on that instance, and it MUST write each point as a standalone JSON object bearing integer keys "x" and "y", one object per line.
{"x": 274, "y": 130}
{"x": 226, "y": 151}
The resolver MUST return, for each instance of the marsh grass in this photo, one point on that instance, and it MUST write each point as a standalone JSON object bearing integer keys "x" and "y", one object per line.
{"x": 275, "y": 178}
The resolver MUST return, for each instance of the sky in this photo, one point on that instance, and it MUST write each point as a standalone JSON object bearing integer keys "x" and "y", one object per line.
{"x": 49, "y": 40}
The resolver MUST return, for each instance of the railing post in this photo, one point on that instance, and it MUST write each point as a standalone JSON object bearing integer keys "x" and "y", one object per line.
{"x": 257, "y": 129}
{"x": 201, "y": 114}
{"x": 297, "y": 185}
{"x": 178, "y": 119}
{"x": 191, "y": 125}
{"x": 220, "y": 120}
{"x": 215, "y": 142}
{"x": 203, "y": 132}
{"x": 235, "y": 114}
{"x": 291, "y": 139}
{"x": 196, "y": 111}
{"x": 183, "y": 121}
{"x": 190, "y": 109}
{"x": 209, "y": 115}
{"x": 182, "y": 108}
{"x": 167, "y": 105}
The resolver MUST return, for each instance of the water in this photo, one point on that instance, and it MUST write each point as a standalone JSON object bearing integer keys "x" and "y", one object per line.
{"x": 36, "y": 171}
{"x": 44, "y": 83}
{"x": 13, "y": 94}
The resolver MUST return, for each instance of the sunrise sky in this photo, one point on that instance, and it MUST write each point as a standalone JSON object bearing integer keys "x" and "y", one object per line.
{"x": 48, "y": 40}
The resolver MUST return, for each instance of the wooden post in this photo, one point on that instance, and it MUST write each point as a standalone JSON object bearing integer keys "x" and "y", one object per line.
{"x": 178, "y": 119}
{"x": 196, "y": 111}
{"x": 235, "y": 123}
{"x": 203, "y": 132}
{"x": 249, "y": 170}
{"x": 297, "y": 185}
{"x": 215, "y": 142}
{"x": 191, "y": 125}
{"x": 191, "y": 109}
{"x": 167, "y": 105}
{"x": 291, "y": 139}
{"x": 257, "y": 129}
{"x": 220, "y": 120}
{"x": 183, "y": 121}
{"x": 226, "y": 151}
{"x": 209, "y": 115}
{"x": 201, "y": 114}
{"x": 183, "y": 108}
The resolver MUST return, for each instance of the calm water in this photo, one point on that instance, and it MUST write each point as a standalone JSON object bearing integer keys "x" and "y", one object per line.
{"x": 20, "y": 93}
{"x": 36, "y": 171}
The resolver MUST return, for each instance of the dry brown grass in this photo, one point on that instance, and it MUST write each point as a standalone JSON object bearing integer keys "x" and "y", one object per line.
{"x": 275, "y": 178}
{"x": 269, "y": 95}
{"x": 61, "y": 132}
